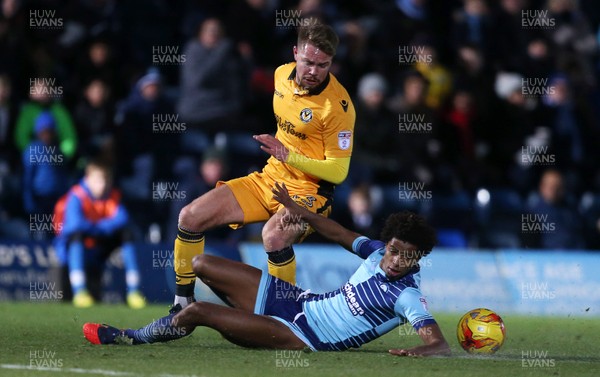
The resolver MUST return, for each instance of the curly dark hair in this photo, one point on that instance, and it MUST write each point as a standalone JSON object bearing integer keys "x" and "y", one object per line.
{"x": 412, "y": 228}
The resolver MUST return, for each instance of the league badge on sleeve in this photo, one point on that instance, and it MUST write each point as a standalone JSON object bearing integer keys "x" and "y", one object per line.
{"x": 344, "y": 139}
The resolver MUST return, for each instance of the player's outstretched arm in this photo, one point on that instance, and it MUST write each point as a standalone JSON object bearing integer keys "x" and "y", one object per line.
{"x": 326, "y": 227}
{"x": 331, "y": 169}
{"x": 435, "y": 344}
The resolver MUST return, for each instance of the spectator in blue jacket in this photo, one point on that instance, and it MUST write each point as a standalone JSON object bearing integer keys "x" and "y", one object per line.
{"x": 92, "y": 223}
{"x": 45, "y": 171}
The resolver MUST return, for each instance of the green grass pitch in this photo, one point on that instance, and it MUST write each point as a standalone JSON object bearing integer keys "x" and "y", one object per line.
{"x": 46, "y": 340}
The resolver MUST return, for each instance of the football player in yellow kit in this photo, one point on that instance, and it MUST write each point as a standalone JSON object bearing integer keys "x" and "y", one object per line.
{"x": 310, "y": 153}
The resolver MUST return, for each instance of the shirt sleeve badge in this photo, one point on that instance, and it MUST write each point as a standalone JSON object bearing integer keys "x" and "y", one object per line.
{"x": 344, "y": 139}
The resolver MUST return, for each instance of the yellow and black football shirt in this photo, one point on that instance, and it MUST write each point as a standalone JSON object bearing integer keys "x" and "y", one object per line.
{"x": 317, "y": 124}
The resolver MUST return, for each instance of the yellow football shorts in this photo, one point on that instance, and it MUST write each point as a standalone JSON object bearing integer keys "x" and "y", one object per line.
{"x": 254, "y": 195}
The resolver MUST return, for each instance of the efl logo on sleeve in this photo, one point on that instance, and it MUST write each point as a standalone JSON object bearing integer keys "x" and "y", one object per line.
{"x": 344, "y": 139}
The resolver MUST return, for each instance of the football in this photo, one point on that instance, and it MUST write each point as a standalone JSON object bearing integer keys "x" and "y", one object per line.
{"x": 481, "y": 331}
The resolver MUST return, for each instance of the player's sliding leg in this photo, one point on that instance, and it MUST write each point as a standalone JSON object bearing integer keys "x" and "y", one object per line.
{"x": 160, "y": 330}
{"x": 235, "y": 282}
{"x": 216, "y": 207}
{"x": 239, "y": 326}
{"x": 279, "y": 233}
{"x": 236, "y": 325}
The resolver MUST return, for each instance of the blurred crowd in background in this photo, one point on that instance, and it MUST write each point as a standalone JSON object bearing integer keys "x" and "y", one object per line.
{"x": 481, "y": 115}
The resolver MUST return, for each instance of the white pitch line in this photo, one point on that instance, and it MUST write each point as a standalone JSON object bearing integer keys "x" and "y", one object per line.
{"x": 71, "y": 370}
{"x": 103, "y": 372}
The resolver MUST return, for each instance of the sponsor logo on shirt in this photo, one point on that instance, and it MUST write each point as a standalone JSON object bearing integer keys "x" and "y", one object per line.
{"x": 353, "y": 304}
{"x": 289, "y": 128}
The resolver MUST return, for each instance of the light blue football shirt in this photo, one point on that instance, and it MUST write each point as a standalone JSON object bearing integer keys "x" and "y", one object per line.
{"x": 368, "y": 305}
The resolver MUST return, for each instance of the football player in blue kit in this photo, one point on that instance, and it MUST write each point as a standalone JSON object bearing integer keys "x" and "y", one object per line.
{"x": 265, "y": 312}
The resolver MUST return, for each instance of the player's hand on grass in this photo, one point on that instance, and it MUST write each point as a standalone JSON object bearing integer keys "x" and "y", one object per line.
{"x": 434, "y": 347}
{"x": 272, "y": 146}
{"x": 403, "y": 352}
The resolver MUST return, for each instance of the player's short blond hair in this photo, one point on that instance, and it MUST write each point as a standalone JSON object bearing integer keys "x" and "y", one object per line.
{"x": 319, "y": 35}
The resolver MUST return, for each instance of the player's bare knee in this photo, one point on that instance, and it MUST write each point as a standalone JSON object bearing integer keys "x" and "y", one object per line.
{"x": 196, "y": 313}
{"x": 273, "y": 239}
{"x": 281, "y": 235}
{"x": 186, "y": 217}
{"x": 195, "y": 217}
{"x": 200, "y": 263}
{"x": 189, "y": 315}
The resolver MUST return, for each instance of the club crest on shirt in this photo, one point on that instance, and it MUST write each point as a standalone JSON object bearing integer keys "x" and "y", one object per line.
{"x": 306, "y": 115}
{"x": 344, "y": 139}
